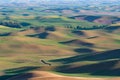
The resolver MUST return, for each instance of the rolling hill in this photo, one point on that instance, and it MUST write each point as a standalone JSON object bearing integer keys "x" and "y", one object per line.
{"x": 57, "y": 40}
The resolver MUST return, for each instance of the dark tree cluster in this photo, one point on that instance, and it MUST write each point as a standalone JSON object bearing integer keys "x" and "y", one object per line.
{"x": 85, "y": 27}
{"x": 10, "y": 23}
{"x": 91, "y": 28}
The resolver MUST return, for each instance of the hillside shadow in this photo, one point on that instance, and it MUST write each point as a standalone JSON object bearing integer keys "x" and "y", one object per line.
{"x": 100, "y": 69}
{"x": 77, "y": 42}
{"x": 79, "y": 33}
{"x": 5, "y": 34}
{"x": 50, "y": 29}
{"x": 112, "y": 28}
{"x": 83, "y": 50}
{"x": 112, "y": 54}
{"x": 25, "y": 24}
{"x": 40, "y": 35}
{"x": 71, "y": 59}
{"x": 16, "y": 71}
{"x": 87, "y": 18}
{"x": 91, "y": 18}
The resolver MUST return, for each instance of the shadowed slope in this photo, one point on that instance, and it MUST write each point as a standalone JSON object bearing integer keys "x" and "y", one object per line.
{"x": 84, "y": 50}
{"x": 78, "y": 43}
{"x": 79, "y": 33}
{"x": 40, "y": 35}
{"x": 109, "y": 68}
{"x": 112, "y": 54}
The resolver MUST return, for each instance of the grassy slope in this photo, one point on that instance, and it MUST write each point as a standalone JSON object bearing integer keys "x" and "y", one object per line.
{"x": 4, "y": 29}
